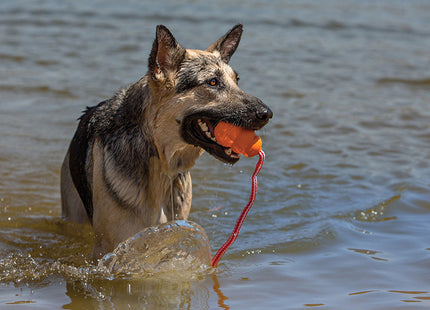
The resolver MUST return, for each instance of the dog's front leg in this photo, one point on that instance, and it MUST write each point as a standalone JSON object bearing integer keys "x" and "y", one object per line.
{"x": 113, "y": 221}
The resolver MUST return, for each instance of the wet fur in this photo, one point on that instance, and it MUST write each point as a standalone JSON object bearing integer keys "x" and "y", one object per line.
{"x": 128, "y": 163}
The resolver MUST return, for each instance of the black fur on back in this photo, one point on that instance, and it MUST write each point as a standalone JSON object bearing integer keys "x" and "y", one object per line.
{"x": 119, "y": 125}
{"x": 78, "y": 159}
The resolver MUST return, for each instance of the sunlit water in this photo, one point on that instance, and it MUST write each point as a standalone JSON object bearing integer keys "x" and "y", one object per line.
{"x": 341, "y": 219}
{"x": 179, "y": 247}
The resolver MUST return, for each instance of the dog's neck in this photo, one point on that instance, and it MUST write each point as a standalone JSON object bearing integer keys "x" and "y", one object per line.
{"x": 155, "y": 159}
{"x": 157, "y": 120}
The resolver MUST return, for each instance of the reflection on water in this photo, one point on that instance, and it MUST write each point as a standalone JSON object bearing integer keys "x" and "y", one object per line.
{"x": 342, "y": 212}
{"x": 122, "y": 294}
{"x": 221, "y": 297}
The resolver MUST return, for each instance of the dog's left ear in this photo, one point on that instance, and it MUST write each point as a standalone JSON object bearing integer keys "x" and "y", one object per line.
{"x": 227, "y": 44}
{"x": 166, "y": 54}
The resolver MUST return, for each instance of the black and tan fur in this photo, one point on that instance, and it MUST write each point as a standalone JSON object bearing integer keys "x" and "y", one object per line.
{"x": 128, "y": 163}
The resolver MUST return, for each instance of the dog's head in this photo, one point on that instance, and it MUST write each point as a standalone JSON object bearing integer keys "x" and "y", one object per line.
{"x": 199, "y": 89}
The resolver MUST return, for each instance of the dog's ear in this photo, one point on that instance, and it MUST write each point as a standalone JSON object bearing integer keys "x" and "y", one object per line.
{"x": 227, "y": 44}
{"x": 166, "y": 54}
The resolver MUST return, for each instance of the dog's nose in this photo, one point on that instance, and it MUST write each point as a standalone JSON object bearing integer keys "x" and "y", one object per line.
{"x": 264, "y": 114}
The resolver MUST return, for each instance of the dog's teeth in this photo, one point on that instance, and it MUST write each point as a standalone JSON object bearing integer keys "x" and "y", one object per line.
{"x": 203, "y": 125}
{"x": 228, "y": 151}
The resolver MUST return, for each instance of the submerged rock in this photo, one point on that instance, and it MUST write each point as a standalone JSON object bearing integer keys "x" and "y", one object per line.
{"x": 179, "y": 246}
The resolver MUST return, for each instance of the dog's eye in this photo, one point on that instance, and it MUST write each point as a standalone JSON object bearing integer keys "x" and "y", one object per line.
{"x": 213, "y": 82}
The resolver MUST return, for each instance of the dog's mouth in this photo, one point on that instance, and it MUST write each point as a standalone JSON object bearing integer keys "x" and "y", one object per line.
{"x": 199, "y": 131}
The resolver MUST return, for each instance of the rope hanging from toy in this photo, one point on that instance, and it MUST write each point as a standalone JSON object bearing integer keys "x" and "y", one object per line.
{"x": 242, "y": 216}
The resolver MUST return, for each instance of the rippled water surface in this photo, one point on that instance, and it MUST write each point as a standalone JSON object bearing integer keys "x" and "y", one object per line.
{"x": 341, "y": 219}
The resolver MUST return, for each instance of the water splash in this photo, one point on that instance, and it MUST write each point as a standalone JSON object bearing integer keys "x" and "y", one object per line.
{"x": 178, "y": 246}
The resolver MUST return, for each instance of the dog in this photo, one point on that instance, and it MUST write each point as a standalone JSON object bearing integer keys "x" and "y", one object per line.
{"x": 127, "y": 166}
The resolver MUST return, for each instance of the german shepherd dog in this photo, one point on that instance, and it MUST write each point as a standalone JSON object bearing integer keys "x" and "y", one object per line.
{"x": 127, "y": 166}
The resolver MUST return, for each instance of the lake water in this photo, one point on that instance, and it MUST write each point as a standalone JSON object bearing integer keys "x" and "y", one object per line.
{"x": 342, "y": 215}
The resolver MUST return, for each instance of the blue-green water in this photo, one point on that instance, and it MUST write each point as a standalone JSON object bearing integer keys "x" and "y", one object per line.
{"x": 341, "y": 219}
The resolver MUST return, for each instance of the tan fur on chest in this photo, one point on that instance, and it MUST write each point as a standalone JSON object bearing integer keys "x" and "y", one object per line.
{"x": 163, "y": 199}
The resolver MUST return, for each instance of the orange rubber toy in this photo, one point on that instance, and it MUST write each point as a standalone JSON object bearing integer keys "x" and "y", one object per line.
{"x": 240, "y": 140}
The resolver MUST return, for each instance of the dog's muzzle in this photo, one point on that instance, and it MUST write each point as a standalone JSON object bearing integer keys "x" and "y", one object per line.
{"x": 198, "y": 128}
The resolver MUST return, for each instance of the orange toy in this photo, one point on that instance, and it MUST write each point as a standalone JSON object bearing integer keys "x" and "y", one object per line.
{"x": 240, "y": 140}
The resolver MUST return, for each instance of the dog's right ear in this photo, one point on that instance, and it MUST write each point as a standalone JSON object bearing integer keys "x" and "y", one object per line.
{"x": 166, "y": 54}
{"x": 227, "y": 44}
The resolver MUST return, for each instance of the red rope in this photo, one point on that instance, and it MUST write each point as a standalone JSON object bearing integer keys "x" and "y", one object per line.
{"x": 242, "y": 216}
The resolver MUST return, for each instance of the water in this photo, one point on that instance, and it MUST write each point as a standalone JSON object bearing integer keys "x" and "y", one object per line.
{"x": 173, "y": 248}
{"x": 342, "y": 214}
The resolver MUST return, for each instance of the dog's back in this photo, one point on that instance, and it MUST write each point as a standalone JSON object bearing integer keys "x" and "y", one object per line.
{"x": 76, "y": 196}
